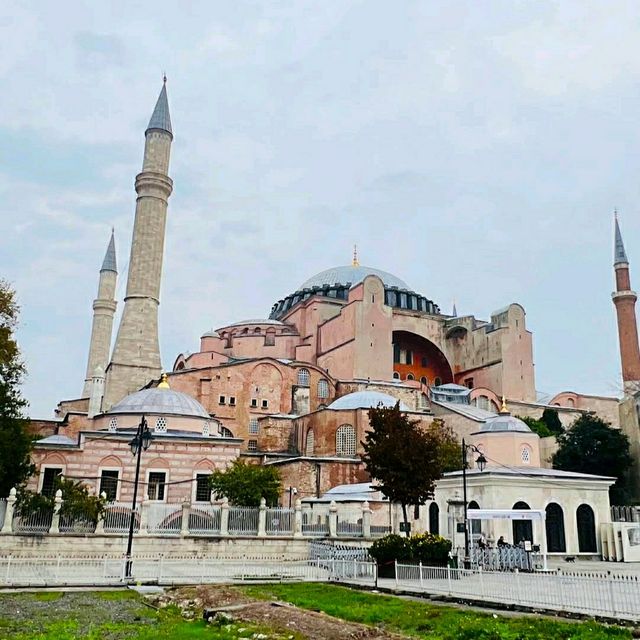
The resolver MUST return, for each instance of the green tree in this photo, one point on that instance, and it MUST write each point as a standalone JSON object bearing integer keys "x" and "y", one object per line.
{"x": 552, "y": 420}
{"x": 245, "y": 484}
{"x": 15, "y": 441}
{"x": 592, "y": 445}
{"x": 404, "y": 460}
{"x": 537, "y": 426}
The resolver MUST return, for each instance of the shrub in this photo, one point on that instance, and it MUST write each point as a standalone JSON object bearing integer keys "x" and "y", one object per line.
{"x": 428, "y": 548}
{"x": 391, "y": 547}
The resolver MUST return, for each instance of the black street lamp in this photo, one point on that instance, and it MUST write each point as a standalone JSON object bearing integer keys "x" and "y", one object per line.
{"x": 140, "y": 442}
{"x": 481, "y": 462}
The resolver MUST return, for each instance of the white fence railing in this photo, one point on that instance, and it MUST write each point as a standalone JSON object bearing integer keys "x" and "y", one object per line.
{"x": 503, "y": 559}
{"x": 352, "y": 529}
{"x": 71, "y": 524}
{"x": 279, "y": 521}
{"x": 3, "y": 509}
{"x": 117, "y": 518}
{"x": 164, "y": 519}
{"x": 243, "y": 521}
{"x": 204, "y": 519}
{"x": 317, "y": 526}
{"x": 625, "y": 513}
{"x": 35, "y": 523}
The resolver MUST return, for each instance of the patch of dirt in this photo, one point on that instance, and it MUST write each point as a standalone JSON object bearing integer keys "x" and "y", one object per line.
{"x": 280, "y": 616}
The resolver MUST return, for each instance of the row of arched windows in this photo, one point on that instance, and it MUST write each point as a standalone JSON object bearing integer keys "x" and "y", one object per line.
{"x": 345, "y": 441}
{"x": 424, "y": 380}
{"x": 304, "y": 380}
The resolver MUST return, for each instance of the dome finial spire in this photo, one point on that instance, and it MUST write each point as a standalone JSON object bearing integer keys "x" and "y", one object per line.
{"x": 163, "y": 384}
{"x": 504, "y": 410}
{"x": 355, "y": 262}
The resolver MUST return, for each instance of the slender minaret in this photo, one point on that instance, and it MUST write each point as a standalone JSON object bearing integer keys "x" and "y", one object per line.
{"x": 104, "y": 308}
{"x": 136, "y": 354}
{"x": 625, "y": 301}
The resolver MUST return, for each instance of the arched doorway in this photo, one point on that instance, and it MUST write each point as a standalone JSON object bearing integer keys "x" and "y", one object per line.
{"x": 554, "y": 527}
{"x": 434, "y": 518}
{"x": 475, "y": 526}
{"x": 522, "y": 529}
{"x": 586, "y": 528}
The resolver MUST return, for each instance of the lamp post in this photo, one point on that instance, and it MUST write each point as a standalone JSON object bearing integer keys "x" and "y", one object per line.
{"x": 481, "y": 461}
{"x": 140, "y": 441}
{"x": 292, "y": 492}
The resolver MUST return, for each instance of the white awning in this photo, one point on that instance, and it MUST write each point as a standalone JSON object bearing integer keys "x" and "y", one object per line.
{"x": 506, "y": 514}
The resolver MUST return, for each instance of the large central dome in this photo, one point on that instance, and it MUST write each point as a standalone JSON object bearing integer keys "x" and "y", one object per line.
{"x": 351, "y": 274}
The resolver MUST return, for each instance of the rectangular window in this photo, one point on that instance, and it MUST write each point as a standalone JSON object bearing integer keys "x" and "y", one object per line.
{"x": 49, "y": 480}
{"x": 156, "y": 487}
{"x": 222, "y": 400}
{"x": 409, "y": 357}
{"x": 252, "y": 445}
{"x": 253, "y": 426}
{"x": 109, "y": 483}
{"x": 396, "y": 354}
{"x": 265, "y": 404}
{"x": 468, "y": 383}
{"x": 424, "y": 362}
{"x": 232, "y": 401}
{"x": 203, "y": 490}
{"x": 254, "y": 402}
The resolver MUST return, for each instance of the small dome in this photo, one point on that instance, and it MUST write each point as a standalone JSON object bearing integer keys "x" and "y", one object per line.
{"x": 352, "y": 274}
{"x": 210, "y": 334}
{"x": 255, "y": 321}
{"x": 164, "y": 401}
{"x": 504, "y": 422}
{"x": 366, "y": 400}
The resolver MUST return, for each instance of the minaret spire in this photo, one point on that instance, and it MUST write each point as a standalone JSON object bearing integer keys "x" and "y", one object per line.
{"x": 136, "y": 353}
{"x": 104, "y": 308}
{"x": 355, "y": 262}
{"x": 624, "y": 300}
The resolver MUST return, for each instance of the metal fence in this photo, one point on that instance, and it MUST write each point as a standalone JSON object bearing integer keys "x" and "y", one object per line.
{"x": 35, "y": 523}
{"x": 378, "y": 531}
{"x": 625, "y": 513}
{"x": 279, "y": 521}
{"x": 165, "y": 519}
{"x": 602, "y": 594}
{"x": 204, "y": 519}
{"x": 117, "y": 516}
{"x": 243, "y": 521}
{"x": 352, "y": 529}
{"x": 73, "y": 524}
{"x": 3, "y": 510}
{"x": 317, "y": 525}
{"x": 503, "y": 559}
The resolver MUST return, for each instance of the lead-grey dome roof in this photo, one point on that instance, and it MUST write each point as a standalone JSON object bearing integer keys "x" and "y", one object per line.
{"x": 162, "y": 401}
{"x": 352, "y": 274}
{"x": 503, "y": 423}
{"x": 366, "y": 400}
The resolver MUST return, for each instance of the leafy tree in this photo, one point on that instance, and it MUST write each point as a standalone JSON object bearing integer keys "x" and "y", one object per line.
{"x": 592, "y": 445}
{"x": 405, "y": 460}
{"x": 552, "y": 420}
{"x": 537, "y": 426}
{"x": 245, "y": 484}
{"x": 15, "y": 441}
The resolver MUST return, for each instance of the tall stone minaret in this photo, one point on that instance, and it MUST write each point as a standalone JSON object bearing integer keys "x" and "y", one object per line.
{"x": 104, "y": 308}
{"x": 136, "y": 354}
{"x": 625, "y": 301}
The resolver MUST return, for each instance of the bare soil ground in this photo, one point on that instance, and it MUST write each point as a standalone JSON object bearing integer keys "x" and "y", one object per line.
{"x": 280, "y": 616}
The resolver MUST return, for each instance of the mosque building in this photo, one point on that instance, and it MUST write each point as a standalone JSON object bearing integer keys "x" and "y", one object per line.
{"x": 292, "y": 389}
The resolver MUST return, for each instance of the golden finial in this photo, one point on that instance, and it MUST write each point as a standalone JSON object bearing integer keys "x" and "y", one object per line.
{"x": 504, "y": 408}
{"x": 163, "y": 384}
{"x": 355, "y": 262}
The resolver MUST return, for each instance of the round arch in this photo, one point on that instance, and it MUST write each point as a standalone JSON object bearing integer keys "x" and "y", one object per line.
{"x": 416, "y": 356}
{"x": 434, "y": 518}
{"x": 586, "y": 523}
{"x": 554, "y": 528}
{"x": 522, "y": 529}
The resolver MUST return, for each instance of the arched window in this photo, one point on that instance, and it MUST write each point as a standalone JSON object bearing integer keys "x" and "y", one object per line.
{"x": 424, "y": 380}
{"x": 396, "y": 375}
{"x": 346, "y": 440}
{"x": 475, "y": 525}
{"x": 554, "y": 527}
{"x": 113, "y": 424}
{"x": 522, "y": 529}
{"x": 525, "y": 454}
{"x": 437, "y": 382}
{"x": 483, "y": 403}
{"x": 586, "y": 528}
{"x": 257, "y": 330}
{"x": 161, "y": 425}
{"x": 205, "y": 428}
{"x": 310, "y": 443}
{"x": 434, "y": 518}
{"x": 303, "y": 377}
{"x": 225, "y": 433}
{"x": 323, "y": 388}
{"x": 410, "y": 376}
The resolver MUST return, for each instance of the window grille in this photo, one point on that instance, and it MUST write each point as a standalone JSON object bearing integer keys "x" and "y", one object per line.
{"x": 253, "y": 425}
{"x": 203, "y": 491}
{"x": 113, "y": 424}
{"x": 225, "y": 433}
{"x": 303, "y": 377}
{"x": 161, "y": 425}
{"x": 206, "y": 429}
{"x": 525, "y": 455}
{"x": 109, "y": 484}
{"x": 346, "y": 440}
{"x": 156, "y": 485}
{"x": 323, "y": 388}
{"x": 252, "y": 445}
{"x": 49, "y": 481}
{"x": 310, "y": 443}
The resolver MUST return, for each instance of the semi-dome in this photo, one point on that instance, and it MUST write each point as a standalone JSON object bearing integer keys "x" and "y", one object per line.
{"x": 503, "y": 423}
{"x": 366, "y": 400}
{"x": 351, "y": 274}
{"x": 160, "y": 400}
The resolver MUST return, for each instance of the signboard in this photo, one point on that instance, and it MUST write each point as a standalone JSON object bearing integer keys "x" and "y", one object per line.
{"x": 506, "y": 514}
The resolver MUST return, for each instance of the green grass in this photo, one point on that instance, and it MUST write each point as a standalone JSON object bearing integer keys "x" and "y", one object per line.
{"x": 425, "y": 620}
{"x": 106, "y": 615}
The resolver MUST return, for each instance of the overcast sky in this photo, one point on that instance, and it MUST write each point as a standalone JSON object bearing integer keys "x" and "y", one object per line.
{"x": 474, "y": 149}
